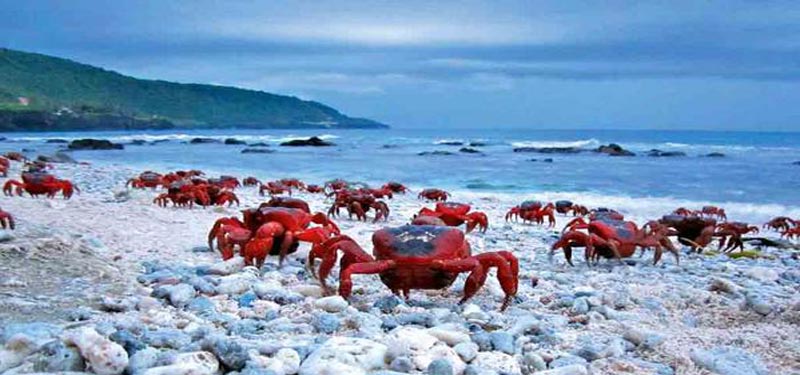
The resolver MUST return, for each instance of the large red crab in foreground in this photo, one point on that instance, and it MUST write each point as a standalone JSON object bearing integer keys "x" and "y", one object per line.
{"x": 269, "y": 231}
{"x": 6, "y": 220}
{"x": 434, "y": 195}
{"x": 454, "y": 214}
{"x": 606, "y": 237}
{"x": 416, "y": 257}
{"x": 40, "y": 183}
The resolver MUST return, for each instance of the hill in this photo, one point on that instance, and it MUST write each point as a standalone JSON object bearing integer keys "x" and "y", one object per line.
{"x": 40, "y": 92}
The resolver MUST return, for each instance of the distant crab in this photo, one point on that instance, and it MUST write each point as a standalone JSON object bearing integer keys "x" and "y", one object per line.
{"x": 454, "y": 214}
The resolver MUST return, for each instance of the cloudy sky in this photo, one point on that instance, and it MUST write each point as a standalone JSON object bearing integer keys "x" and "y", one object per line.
{"x": 527, "y": 64}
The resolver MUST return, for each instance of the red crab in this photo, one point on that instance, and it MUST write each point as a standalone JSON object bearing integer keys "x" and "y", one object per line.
{"x": 40, "y": 183}
{"x": 522, "y": 209}
{"x": 694, "y": 231}
{"x": 225, "y": 182}
{"x": 578, "y": 210}
{"x": 683, "y": 211}
{"x": 147, "y": 179}
{"x": 293, "y": 183}
{"x": 315, "y": 189}
{"x": 732, "y": 233}
{"x": 395, "y": 187}
{"x": 269, "y": 231}
{"x": 605, "y": 213}
{"x": 612, "y": 238}
{"x": 434, "y": 195}
{"x": 791, "y": 233}
{"x": 359, "y": 203}
{"x": 715, "y": 212}
{"x": 455, "y": 214}
{"x": 274, "y": 188}
{"x": 379, "y": 193}
{"x": 4, "y": 165}
{"x": 781, "y": 224}
{"x": 6, "y": 220}
{"x": 288, "y": 203}
{"x": 251, "y": 181}
{"x": 564, "y": 206}
{"x": 16, "y": 156}
{"x": 335, "y": 185}
{"x": 416, "y": 257}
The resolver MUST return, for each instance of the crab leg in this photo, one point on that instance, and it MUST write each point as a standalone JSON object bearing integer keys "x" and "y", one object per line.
{"x": 353, "y": 254}
{"x": 507, "y": 272}
{"x": 345, "y": 278}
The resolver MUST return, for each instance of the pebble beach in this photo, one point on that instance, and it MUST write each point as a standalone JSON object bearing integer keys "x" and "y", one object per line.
{"x": 109, "y": 283}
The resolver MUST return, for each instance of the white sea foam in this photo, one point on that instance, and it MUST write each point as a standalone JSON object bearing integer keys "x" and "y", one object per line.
{"x": 584, "y": 143}
{"x": 645, "y": 208}
{"x": 174, "y": 137}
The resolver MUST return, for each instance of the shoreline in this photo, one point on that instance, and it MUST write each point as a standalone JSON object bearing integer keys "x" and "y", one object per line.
{"x": 605, "y": 319}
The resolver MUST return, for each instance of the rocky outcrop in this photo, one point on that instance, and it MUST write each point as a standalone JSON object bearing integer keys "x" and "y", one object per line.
{"x": 470, "y": 150}
{"x": 234, "y": 141}
{"x": 313, "y": 141}
{"x": 659, "y": 154}
{"x": 613, "y": 149}
{"x": 197, "y": 141}
{"x": 435, "y": 153}
{"x": 94, "y": 144}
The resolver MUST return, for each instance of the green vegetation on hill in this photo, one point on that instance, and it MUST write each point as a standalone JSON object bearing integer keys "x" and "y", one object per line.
{"x": 65, "y": 95}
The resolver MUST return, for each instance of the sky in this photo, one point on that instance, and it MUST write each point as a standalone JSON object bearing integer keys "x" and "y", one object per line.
{"x": 710, "y": 65}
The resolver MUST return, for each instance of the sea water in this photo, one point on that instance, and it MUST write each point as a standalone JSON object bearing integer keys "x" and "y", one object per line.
{"x": 756, "y": 178}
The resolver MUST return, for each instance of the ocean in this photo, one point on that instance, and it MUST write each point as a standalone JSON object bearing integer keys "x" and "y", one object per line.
{"x": 755, "y": 180}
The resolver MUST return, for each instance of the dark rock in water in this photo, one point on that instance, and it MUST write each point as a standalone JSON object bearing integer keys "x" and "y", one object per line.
{"x": 138, "y": 142}
{"x": 159, "y": 141}
{"x": 796, "y": 163}
{"x": 390, "y": 146}
{"x": 435, "y": 153}
{"x": 614, "y": 149}
{"x": 55, "y": 140}
{"x": 234, "y": 141}
{"x": 257, "y": 151}
{"x": 477, "y": 144}
{"x": 658, "y": 153}
{"x": 59, "y": 157}
{"x": 313, "y": 141}
{"x": 547, "y": 160}
{"x": 450, "y": 143}
{"x": 549, "y": 150}
{"x": 468, "y": 150}
{"x": 3, "y": 139}
{"x": 94, "y": 144}
{"x": 24, "y": 150}
{"x": 258, "y": 144}
{"x": 715, "y": 155}
{"x": 196, "y": 141}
